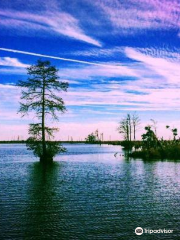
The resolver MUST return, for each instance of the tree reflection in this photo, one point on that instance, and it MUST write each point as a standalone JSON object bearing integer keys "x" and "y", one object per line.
{"x": 45, "y": 203}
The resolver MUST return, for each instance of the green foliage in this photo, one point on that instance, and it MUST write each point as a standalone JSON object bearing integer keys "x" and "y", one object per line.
{"x": 168, "y": 151}
{"x": 149, "y": 138}
{"x": 52, "y": 148}
{"x": 40, "y": 94}
{"x": 146, "y": 154}
{"x": 127, "y": 145}
{"x": 38, "y": 91}
{"x": 154, "y": 148}
{"x": 174, "y": 132}
{"x": 91, "y": 138}
{"x": 94, "y": 137}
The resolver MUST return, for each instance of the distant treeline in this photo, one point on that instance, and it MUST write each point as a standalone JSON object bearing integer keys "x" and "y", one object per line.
{"x": 71, "y": 142}
{"x": 13, "y": 141}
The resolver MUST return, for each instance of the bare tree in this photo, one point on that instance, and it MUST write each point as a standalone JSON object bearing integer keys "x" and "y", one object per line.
{"x": 154, "y": 125}
{"x": 135, "y": 122}
{"x": 124, "y": 128}
{"x": 128, "y": 126}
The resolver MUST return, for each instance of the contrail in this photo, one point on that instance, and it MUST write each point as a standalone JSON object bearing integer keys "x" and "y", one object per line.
{"x": 58, "y": 58}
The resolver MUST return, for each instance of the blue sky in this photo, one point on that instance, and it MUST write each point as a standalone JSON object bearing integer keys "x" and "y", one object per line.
{"x": 132, "y": 47}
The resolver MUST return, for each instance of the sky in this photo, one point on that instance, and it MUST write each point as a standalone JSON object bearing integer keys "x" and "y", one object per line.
{"x": 119, "y": 57}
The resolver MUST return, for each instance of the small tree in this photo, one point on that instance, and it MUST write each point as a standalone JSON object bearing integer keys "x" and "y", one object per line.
{"x": 91, "y": 138}
{"x": 125, "y": 127}
{"x": 149, "y": 138}
{"x": 174, "y": 132}
{"x": 38, "y": 95}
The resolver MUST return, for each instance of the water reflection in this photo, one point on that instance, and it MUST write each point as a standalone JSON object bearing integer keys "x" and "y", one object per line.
{"x": 88, "y": 194}
{"x": 45, "y": 203}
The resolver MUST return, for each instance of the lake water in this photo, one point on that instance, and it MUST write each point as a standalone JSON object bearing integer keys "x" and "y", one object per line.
{"x": 87, "y": 194}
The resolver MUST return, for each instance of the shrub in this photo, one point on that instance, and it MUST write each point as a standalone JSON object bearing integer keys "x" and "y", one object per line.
{"x": 52, "y": 148}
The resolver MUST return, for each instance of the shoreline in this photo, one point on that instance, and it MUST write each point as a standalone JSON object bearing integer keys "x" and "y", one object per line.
{"x": 70, "y": 142}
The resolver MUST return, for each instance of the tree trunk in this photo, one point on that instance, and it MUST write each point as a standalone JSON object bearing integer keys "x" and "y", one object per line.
{"x": 127, "y": 132}
{"x": 43, "y": 124}
{"x": 134, "y": 132}
{"x": 130, "y": 130}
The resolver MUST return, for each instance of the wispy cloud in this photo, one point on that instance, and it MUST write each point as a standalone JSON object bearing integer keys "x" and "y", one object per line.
{"x": 93, "y": 72}
{"x": 57, "y": 22}
{"x": 101, "y": 52}
{"x": 169, "y": 54}
{"x": 167, "y": 69}
{"x": 135, "y": 15}
{"x": 12, "y": 62}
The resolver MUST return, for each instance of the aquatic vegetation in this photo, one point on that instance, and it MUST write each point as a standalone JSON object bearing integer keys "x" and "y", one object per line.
{"x": 154, "y": 148}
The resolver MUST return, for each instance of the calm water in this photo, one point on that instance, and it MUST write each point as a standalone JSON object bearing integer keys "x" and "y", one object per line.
{"x": 87, "y": 194}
